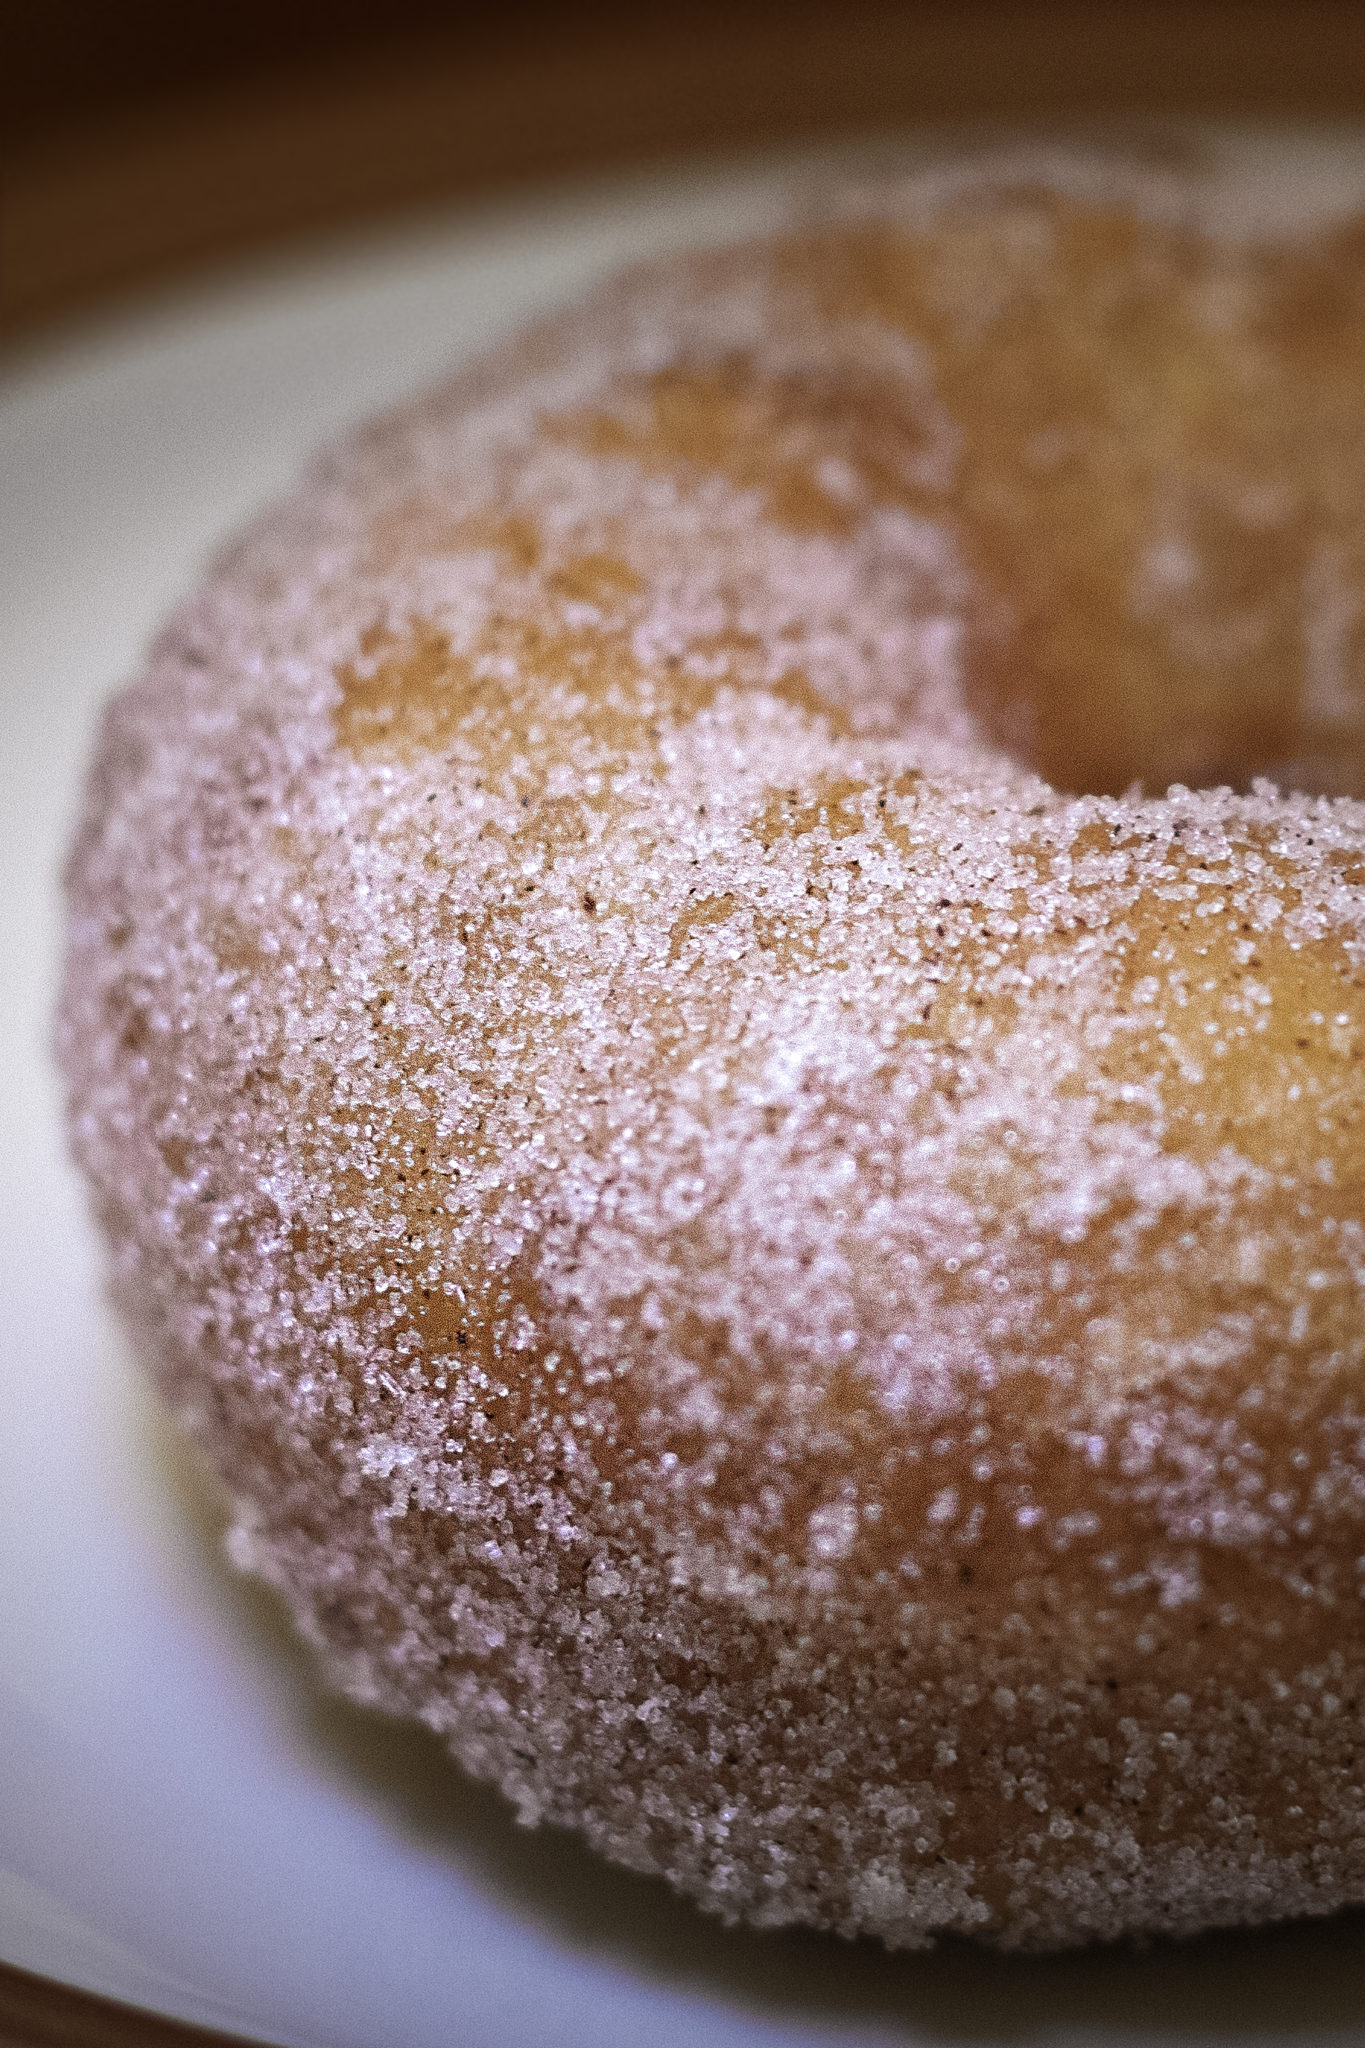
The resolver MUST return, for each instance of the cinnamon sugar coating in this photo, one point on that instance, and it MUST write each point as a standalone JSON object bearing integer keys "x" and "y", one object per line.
{"x": 766, "y": 1235}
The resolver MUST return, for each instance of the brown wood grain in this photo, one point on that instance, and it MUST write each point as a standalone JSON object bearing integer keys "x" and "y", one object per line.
{"x": 127, "y": 201}
{"x": 35, "y": 2012}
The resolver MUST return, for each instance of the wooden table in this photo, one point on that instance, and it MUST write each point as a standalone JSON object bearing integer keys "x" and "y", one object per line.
{"x": 131, "y": 198}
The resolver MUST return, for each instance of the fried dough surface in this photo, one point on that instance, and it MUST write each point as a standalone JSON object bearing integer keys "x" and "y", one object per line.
{"x": 767, "y": 1229}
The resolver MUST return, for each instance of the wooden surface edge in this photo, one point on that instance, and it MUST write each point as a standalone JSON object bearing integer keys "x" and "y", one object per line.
{"x": 93, "y": 214}
{"x": 38, "y": 2012}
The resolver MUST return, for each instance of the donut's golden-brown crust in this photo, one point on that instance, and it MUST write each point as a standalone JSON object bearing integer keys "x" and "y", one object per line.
{"x": 790, "y": 1287}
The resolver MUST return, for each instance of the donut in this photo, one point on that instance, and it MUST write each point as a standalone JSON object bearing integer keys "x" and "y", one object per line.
{"x": 715, "y": 1010}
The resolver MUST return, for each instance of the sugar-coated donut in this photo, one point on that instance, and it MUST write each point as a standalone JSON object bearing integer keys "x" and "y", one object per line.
{"x": 765, "y": 1235}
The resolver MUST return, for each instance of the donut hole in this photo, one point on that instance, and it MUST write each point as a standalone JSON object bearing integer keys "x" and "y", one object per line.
{"x": 1207, "y": 635}
{"x": 1130, "y": 455}
{"x": 1122, "y": 708}
{"x": 1162, "y": 598}
{"x": 1155, "y": 484}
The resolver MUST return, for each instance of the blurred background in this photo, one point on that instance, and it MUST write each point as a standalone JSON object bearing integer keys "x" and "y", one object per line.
{"x": 144, "y": 138}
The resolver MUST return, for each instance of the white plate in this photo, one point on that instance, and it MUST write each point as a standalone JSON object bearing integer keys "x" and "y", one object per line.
{"x": 186, "y": 1820}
